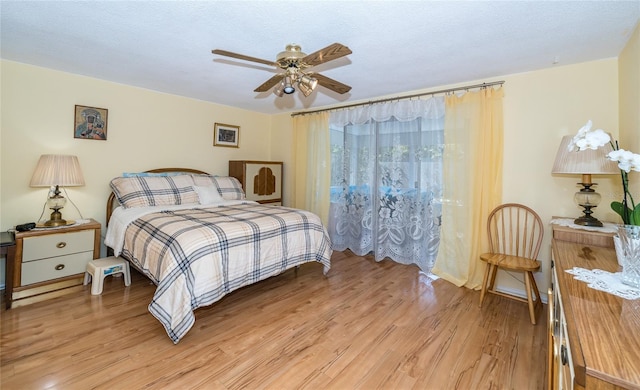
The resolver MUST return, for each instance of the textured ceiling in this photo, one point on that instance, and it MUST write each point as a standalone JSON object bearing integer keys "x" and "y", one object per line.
{"x": 398, "y": 46}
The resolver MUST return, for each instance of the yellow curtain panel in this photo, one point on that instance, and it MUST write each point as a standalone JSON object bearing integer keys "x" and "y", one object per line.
{"x": 312, "y": 164}
{"x": 472, "y": 183}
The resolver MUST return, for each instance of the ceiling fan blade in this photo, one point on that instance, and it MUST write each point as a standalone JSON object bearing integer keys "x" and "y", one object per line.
{"x": 243, "y": 57}
{"x": 331, "y": 83}
{"x": 267, "y": 85}
{"x": 329, "y": 53}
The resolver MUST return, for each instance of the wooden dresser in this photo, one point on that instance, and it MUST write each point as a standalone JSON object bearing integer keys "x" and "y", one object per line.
{"x": 594, "y": 335}
{"x": 261, "y": 180}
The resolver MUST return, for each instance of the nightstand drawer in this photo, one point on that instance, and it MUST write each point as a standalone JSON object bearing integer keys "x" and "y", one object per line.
{"x": 53, "y": 245}
{"x": 55, "y": 267}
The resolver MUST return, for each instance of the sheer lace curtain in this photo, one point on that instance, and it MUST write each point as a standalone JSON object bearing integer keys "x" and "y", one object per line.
{"x": 386, "y": 180}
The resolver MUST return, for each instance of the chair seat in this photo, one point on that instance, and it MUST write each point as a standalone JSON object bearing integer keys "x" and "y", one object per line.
{"x": 516, "y": 263}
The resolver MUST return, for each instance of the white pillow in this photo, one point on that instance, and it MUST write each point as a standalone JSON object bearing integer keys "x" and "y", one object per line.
{"x": 228, "y": 186}
{"x": 208, "y": 194}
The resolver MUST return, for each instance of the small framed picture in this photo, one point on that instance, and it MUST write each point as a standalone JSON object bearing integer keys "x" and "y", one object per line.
{"x": 226, "y": 135}
{"x": 90, "y": 123}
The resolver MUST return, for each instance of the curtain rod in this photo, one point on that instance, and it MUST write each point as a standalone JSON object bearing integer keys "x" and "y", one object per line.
{"x": 483, "y": 85}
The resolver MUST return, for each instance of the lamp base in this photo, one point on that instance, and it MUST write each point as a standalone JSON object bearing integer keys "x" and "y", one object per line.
{"x": 41, "y": 225}
{"x": 588, "y": 221}
{"x": 55, "y": 223}
{"x": 587, "y": 198}
{"x": 56, "y": 219}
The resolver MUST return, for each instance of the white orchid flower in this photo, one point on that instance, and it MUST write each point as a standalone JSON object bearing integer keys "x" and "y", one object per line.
{"x": 626, "y": 160}
{"x": 579, "y": 136}
{"x": 581, "y": 133}
{"x": 635, "y": 163}
{"x": 588, "y": 139}
{"x": 584, "y": 129}
{"x": 593, "y": 140}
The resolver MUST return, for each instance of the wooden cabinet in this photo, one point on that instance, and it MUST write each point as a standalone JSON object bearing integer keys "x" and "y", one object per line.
{"x": 261, "y": 180}
{"x": 50, "y": 262}
{"x": 562, "y": 362}
{"x": 594, "y": 342}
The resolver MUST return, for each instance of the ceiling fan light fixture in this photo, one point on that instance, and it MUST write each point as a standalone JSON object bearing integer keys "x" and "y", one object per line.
{"x": 308, "y": 82}
{"x": 288, "y": 87}
{"x": 306, "y": 91}
{"x": 279, "y": 91}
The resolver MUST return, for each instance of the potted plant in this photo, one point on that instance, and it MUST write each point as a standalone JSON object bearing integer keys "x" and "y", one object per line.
{"x": 628, "y": 240}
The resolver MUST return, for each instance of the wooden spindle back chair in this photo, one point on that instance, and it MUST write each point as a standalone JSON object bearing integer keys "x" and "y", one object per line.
{"x": 515, "y": 236}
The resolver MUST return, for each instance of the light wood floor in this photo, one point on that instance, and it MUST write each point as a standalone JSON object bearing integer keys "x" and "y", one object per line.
{"x": 367, "y": 325}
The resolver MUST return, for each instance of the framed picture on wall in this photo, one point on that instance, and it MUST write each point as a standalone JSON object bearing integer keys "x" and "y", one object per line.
{"x": 226, "y": 135}
{"x": 90, "y": 123}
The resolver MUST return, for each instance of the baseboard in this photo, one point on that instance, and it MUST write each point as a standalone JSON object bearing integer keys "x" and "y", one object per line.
{"x": 521, "y": 293}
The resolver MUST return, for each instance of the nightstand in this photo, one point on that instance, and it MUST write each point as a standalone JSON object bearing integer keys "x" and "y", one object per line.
{"x": 51, "y": 262}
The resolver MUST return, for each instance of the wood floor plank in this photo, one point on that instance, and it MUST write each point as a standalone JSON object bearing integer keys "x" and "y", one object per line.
{"x": 366, "y": 325}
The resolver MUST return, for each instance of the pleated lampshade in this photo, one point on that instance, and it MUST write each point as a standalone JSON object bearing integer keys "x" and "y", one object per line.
{"x": 56, "y": 169}
{"x": 594, "y": 162}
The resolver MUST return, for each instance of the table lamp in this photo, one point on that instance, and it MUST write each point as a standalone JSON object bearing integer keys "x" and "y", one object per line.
{"x": 586, "y": 163}
{"x": 57, "y": 170}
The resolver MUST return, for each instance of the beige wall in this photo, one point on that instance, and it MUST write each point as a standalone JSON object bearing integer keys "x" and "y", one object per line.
{"x": 629, "y": 70}
{"x": 146, "y": 130}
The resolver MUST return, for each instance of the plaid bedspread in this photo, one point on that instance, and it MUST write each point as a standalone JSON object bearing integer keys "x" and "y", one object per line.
{"x": 199, "y": 255}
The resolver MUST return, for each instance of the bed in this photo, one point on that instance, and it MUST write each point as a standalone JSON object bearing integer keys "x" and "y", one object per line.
{"x": 197, "y": 238}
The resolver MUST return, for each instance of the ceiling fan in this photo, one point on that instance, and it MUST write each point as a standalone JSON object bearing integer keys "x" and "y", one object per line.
{"x": 294, "y": 63}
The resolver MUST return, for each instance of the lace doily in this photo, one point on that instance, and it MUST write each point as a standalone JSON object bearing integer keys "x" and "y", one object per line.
{"x": 75, "y": 223}
{"x": 605, "y": 281}
{"x": 606, "y": 226}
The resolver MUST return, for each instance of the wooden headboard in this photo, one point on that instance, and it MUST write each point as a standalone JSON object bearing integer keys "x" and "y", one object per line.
{"x": 112, "y": 203}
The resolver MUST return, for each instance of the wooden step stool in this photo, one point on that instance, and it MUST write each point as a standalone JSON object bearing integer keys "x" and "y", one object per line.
{"x": 98, "y": 269}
